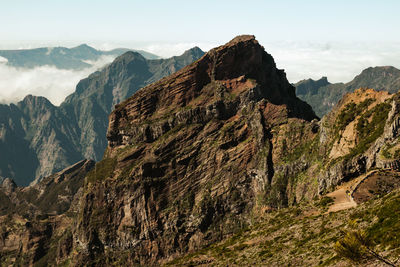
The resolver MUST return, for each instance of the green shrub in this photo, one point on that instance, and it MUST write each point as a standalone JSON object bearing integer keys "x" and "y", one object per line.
{"x": 102, "y": 170}
{"x": 325, "y": 202}
{"x": 350, "y": 112}
{"x": 368, "y": 132}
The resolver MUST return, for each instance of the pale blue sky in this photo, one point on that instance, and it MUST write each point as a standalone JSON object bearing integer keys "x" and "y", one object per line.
{"x": 309, "y": 38}
{"x": 199, "y": 21}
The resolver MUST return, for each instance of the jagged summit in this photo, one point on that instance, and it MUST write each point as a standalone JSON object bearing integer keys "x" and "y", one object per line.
{"x": 380, "y": 78}
{"x": 238, "y": 66}
{"x": 32, "y": 100}
{"x": 130, "y": 55}
{"x": 310, "y": 86}
{"x": 187, "y": 155}
{"x": 242, "y": 38}
{"x": 193, "y": 52}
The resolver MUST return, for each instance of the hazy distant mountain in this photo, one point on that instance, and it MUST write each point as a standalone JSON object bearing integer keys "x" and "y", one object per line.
{"x": 44, "y": 138}
{"x": 323, "y": 96}
{"x": 61, "y": 57}
{"x": 52, "y": 195}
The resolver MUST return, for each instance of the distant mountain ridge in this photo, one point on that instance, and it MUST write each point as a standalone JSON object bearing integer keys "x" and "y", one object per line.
{"x": 323, "y": 96}
{"x": 217, "y": 164}
{"x": 76, "y": 58}
{"x": 45, "y": 139}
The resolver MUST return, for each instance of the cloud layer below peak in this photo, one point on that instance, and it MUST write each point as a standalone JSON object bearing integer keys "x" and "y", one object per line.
{"x": 340, "y": 62}
{"x": 48, "y": 81}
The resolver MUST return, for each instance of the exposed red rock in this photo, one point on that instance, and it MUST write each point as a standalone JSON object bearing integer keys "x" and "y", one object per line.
{"x": 190, "y": 156}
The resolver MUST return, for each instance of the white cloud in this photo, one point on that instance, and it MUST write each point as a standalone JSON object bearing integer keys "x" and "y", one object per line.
{"x": 340, "y": 62}
{"x": 48, "y": 81}
{"x": 161, "y": 49}
{"x": 175, "y": 49}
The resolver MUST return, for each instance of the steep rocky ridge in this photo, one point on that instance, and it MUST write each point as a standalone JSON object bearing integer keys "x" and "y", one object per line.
{"x": 38, "y": 136}
{"x": 191, "y": 156}
{"x": 220, "y": 149}
{"x": 51, "y": 196}
{"x": 35, "y": 219}
{"x": 323, "y": 96}
{"x": 96, "y": 96}
{"x": 361, "y": 132}
{"x": 45, "y": 139}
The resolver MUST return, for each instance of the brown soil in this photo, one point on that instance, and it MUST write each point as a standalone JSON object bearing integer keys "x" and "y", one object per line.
{"x": 377, "y": 184}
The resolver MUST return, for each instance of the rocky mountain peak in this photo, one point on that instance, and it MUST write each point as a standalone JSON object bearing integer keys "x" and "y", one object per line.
{"x": 380, "y": 78}
{"x": 195, "y": 52}
{"x": 31, "y": 100}
{"x": 310, "y": 86}
{"x": 129, "y": 56}
{"x": 229, "y": 70}
{"x": 33, "y": 105}
{"x": 84, "y": 47}
{"x": 379, "y": 69}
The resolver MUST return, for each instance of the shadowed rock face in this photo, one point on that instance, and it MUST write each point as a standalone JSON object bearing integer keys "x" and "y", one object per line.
{"x": 51, "y": 196}
{"x": 33, "y": 217}
{"x": 45, "y": 139}
{"x": 190, "y": 156}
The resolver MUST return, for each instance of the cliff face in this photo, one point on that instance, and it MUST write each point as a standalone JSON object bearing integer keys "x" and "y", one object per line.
{"x": 360, "y": 133}
{"x": 34, "y": 220}
{"x": 190, "y": 157}
{"x": 38, "y": 136}
{"x": 96, "y": 96}
{"x": 198, "y": 156}
{"x": 45, "y": 139}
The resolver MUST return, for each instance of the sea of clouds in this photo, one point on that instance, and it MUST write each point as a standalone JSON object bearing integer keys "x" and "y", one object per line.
{"x": 340, "y": 62}
{"x": 49, "y": 81}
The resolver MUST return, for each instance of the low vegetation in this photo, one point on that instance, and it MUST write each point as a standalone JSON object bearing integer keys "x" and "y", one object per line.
{"x": 306, "y": 235}
{"x": 102, "y": 170}
{"x": 349, "y": 113}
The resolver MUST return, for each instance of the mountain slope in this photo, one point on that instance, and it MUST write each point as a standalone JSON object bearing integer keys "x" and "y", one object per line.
{"x": 32, "y": 217}
{"x": 194, "y": 157}
{"x": 221, "y": 164}
{"x": 79, "y": 57}
{"x": 190, "y": 157}
{"x": 46, "y": 138}
{"x": 96, "y": 96}
{"x": 305, "y": 236}
{"x": 323, "y": 96}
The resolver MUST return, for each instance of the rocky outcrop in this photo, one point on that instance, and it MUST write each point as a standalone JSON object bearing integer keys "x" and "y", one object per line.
{"x": 373, "y": 117}
{"x": 36, "y": 220}
{"x": 190, "y": 156}
{"x": 51, "y": 196}
{"x": 194, "y": 157}
{"x": 310, "y": 86}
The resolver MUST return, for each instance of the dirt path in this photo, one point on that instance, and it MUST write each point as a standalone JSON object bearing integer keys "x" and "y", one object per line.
{"x": 342, "y": 195}
{"x": 342, "y": 200}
